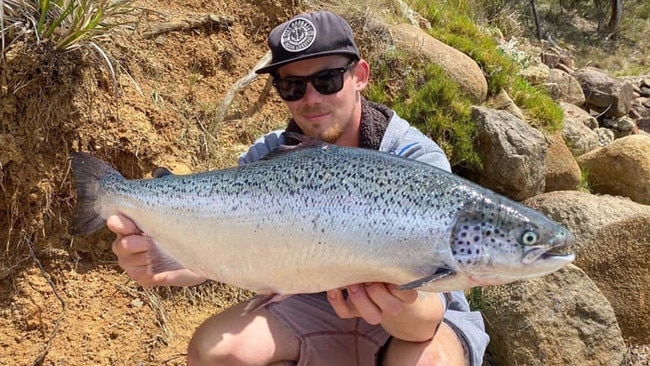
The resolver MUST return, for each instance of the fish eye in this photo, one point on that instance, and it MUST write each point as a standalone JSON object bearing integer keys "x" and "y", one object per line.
{"x": 529, "y": 238}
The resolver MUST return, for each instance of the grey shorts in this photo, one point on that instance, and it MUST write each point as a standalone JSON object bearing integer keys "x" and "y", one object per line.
{"x": 326, "y": 338}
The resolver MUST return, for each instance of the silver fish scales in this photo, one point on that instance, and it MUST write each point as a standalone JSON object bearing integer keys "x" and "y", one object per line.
{"x": 324, "y": 217}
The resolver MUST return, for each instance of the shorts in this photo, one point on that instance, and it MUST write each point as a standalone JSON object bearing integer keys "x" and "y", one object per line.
{"x": 326, "y": 339}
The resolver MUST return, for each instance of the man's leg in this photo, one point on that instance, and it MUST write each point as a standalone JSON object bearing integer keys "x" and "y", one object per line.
{"x": 228, "y": 338}
{"x": 443, "y": 349}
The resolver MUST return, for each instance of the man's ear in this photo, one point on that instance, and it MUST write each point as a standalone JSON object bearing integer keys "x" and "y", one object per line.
{"x": 361, "y": 74}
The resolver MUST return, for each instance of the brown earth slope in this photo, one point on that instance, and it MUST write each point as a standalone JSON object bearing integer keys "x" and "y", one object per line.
{"x": 64, "y": 300}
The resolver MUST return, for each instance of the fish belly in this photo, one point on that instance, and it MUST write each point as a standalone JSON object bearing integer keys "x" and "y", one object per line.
{"x": 295, "y": 252}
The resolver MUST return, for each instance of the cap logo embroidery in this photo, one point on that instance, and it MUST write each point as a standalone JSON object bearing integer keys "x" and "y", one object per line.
{"x": 299, "y": 35}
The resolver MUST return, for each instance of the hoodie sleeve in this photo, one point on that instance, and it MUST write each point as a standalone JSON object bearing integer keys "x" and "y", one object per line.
{"x": 262, "y": 147}
{"x": 403, "y": 140}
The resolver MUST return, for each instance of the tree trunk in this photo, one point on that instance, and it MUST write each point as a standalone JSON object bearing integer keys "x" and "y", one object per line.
{"x": 538, "y": 27}
{"x": 615, "y": 19}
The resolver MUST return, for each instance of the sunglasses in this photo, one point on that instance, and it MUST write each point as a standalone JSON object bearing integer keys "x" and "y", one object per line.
{"x": 325, "y": 82}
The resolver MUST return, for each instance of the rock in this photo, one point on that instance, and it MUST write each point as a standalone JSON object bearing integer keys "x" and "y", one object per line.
{"x": 460, "y": 67}
{"x": 555, "y": 57}
{"x": 621, "y": 168}
{"x": 605, "y": 93}
{"x": 644, "y": 91}
{"x": 645, "y": 82}
{"x": 605, "y": 136}
{"x": 613, "y": 247}
{"x": 644, "y": 124}
{"x": 513, "y": 153}
{"x": 503, "y": 101}
{"x": 621, "y": 127}
{"x": 578, "y": 114}
{"x": 535, "y": 74}
{"x": 570, "y": 90}
{"x": 579, "y": 138}
{"x": 640, "y": 107}
{"x": 558, "y": 319}
{"x": 562, "y": 170}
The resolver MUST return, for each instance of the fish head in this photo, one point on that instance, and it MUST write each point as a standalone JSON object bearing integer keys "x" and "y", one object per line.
{"x": 498, "y": 241}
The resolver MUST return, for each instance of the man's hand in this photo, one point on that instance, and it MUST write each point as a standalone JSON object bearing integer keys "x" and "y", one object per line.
{"x": 141, "y": 259}
{"x": 405, "y": 314}
{"x": 371, "y": 301}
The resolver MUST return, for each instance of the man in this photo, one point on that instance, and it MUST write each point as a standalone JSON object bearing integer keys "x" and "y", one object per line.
{"x": 318, "y": 73}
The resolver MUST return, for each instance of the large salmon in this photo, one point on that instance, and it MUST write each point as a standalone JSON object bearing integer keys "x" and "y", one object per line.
{"x": 325, "y": 217}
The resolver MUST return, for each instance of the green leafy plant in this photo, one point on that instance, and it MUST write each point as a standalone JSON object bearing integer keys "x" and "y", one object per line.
{"x": 67, "y": 24}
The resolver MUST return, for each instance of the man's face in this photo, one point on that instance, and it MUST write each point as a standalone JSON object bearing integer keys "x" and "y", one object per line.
{"x": 327, "y": 117}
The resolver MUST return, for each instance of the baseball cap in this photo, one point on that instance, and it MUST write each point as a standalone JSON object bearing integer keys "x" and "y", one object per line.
{"x": 310, "y": 35}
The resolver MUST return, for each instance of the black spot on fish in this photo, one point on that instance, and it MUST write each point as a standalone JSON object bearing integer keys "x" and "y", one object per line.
{"x": 476, "y": 239}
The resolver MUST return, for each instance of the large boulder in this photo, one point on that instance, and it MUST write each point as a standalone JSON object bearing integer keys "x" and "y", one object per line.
{"x": 621, "y": 168}
{"x": 568, "y": 88}
{"x": 513, "y": 153}
{"x": 460, "y": 67}
{"x": 604, "y": 93}
{"x": 562, "y": 169}
{"x": 558, "y": 319}
{"x": 613, "y": 247}
{"x": 577, "y": 129}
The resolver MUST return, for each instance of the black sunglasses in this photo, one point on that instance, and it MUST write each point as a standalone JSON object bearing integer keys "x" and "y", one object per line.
{"x": 326, "y": 82}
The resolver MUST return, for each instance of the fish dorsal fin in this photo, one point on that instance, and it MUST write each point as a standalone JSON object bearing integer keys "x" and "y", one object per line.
{"x": 305, "y": 142}
{"x": 439, "y": 274}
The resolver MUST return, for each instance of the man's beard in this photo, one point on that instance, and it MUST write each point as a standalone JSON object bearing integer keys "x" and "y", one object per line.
{"x": 332, "y": 134}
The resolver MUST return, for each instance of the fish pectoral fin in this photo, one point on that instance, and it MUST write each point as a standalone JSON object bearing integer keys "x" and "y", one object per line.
{"x": 161, "y": 261}
{"x": 439, "y": 274}
{"x": 259, "y": 301}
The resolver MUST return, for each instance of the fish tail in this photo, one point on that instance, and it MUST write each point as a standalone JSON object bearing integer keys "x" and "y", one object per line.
{"x": 88, "y": 173}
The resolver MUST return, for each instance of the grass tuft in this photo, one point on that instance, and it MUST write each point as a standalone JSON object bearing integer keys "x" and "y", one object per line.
{"x": 425, "y": 96}
{"x": 67, "y": 24}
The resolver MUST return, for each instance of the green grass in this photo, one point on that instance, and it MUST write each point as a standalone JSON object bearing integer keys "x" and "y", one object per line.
{"x": 424, "y": 95}
{"x": 67, "y": 24}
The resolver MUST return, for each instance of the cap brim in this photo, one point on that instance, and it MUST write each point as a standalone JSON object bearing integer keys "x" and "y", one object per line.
{"x": 272, "y": 67}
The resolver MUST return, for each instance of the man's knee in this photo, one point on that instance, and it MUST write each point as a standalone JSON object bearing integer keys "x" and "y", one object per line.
{"x": 208, "y": 347}
{"x": 444, "y": 349}
{"x": 229, "y": 338}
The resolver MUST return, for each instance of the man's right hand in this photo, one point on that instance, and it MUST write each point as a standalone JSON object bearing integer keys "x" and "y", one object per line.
{"x": 137, "y": 256}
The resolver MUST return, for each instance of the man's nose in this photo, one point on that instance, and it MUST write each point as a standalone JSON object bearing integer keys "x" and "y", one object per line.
{"x": 311, "y": 94}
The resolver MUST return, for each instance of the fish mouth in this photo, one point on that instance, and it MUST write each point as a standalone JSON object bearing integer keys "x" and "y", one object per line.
{"x": 561, "y": 251}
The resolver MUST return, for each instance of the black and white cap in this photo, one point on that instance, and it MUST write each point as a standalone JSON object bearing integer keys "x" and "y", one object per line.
{"x": 310, "y": 35}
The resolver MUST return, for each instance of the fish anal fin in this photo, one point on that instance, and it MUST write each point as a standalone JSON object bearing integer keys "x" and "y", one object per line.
{"x": 259, "y": 301}
{"x": 437, "y": 275}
